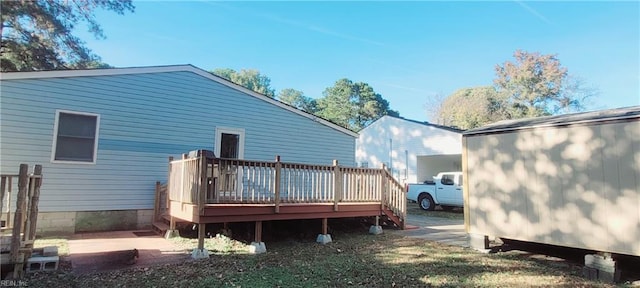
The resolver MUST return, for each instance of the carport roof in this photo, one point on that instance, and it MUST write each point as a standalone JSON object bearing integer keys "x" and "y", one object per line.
{"x": 557, "y": 120}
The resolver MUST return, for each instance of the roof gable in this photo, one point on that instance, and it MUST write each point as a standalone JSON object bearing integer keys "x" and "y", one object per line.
{"x": 166, "y": 69}
{"x": 425, "y": 123}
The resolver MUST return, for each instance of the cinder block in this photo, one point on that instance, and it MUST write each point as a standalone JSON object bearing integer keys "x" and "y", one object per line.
{"x": 40, "y": 263}
{"x": 50, "y": 251}
{"x": 324, "y": 238}
{"x": 257, "y": 248}
{"x": 375, "y": 230}
{"x": 478, "y": 242}
{"x": 590, "y": 273}
{"x": 605, "y": 267}
{"x": 599, "y": 262}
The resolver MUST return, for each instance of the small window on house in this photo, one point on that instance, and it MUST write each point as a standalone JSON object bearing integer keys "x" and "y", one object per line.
{"x": 229, "y": 143}
{"x": 76, "y": 137}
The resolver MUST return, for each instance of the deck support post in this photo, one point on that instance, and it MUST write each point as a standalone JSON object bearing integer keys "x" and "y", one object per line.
{"x": 200, "y": 252}
{"x": 172, "y": 232}
{"x": 324, "y": 238}
{"x": 376, "y": 229}
{"x": 324, "y": 226}
{"x": 257, "y": 246}
{"x": 225, "y": 229}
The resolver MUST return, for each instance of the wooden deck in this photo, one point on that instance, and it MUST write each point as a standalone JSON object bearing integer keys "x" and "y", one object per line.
{"x": 212, "y": 190}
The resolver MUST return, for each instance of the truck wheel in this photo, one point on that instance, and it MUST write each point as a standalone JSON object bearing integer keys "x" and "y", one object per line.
{"x": 426, "y": 202}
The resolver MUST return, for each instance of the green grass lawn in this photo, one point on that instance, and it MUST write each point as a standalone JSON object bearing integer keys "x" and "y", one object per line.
{"x": 60, "y": 242}
{"x": 354, "y": 259}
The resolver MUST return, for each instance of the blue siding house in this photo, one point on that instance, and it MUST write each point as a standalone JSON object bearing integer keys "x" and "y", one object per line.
{"x": 104, "y": 136}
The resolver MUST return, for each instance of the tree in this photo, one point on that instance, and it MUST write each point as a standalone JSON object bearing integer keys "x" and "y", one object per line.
{"x": 470, "y": 107}
{"x": 531, "y": 86}
{"x": 250, "y": 79}
{"x": 297, "y": 99}
{"x": 37, "y": 34}
{"x": 537, "y": 85}
{"x": 352, "y": 105}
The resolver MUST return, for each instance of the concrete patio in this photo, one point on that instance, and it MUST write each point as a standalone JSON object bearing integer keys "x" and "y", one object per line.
{"x": 90, "y": 252}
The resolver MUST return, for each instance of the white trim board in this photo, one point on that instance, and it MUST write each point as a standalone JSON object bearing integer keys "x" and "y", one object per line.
{"x": 165, "y": 69}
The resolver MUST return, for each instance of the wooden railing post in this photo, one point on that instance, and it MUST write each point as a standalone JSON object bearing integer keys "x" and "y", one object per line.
{"x": 156, "y": 202}
{"x": 202, "y": 188}
{"x": 172, "y": 221}
{"x": 23, "y": 182}
{"x": 384, "y": 185}
{"x": 278, "y": 169}
{"x": 337, "y": 185}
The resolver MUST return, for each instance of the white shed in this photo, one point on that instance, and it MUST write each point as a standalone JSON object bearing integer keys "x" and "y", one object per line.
{"x": 414, "y": 150}
{"x": 569, "y": 180}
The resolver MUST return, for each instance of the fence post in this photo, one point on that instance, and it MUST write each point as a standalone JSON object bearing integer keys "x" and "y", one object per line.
{"x": 277, "y": 183}
{"x": 337, "y": 184}
{"x": 18, "y": 221}
{"x": 33, "y": 211}
{"x": 3, "y": 186}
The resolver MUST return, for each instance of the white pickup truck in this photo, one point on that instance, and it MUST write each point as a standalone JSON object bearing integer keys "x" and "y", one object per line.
{"x": 445, "y": 190}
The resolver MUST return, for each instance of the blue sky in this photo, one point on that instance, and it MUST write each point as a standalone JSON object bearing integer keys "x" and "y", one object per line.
{"x": 409, "y": 52}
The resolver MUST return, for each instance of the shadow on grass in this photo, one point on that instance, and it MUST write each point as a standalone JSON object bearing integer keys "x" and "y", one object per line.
{"x": 354, "y": 259}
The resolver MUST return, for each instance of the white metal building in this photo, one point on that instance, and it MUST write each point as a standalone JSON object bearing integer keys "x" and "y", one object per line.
{"x": 414, "y": 150}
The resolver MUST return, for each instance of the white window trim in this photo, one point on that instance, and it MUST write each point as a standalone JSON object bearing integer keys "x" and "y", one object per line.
{"x": 229, "y": 130}
{"x": 55, "y": 138}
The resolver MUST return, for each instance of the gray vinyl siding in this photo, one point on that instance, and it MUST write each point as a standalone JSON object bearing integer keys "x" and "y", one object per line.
{"x": 144, "y": 119}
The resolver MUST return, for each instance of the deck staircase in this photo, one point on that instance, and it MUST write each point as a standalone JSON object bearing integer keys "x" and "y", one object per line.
{"x": 390, "y": 217}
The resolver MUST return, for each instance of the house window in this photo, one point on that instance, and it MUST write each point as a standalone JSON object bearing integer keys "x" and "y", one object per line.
{"x": 229, "y": 143}
{"x": 75, "y": 137}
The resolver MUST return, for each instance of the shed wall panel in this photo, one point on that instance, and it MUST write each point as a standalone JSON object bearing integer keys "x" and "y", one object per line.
{"x": 573, "y": 186}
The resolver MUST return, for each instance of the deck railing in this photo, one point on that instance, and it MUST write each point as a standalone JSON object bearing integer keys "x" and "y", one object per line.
{"x": 205, "y": 180}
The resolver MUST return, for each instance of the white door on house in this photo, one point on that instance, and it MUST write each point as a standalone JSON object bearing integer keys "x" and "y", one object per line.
{"x": 230, "y": 145}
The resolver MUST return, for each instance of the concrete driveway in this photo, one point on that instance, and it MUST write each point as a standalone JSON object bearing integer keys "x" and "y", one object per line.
{"x": 443, "y": 230}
